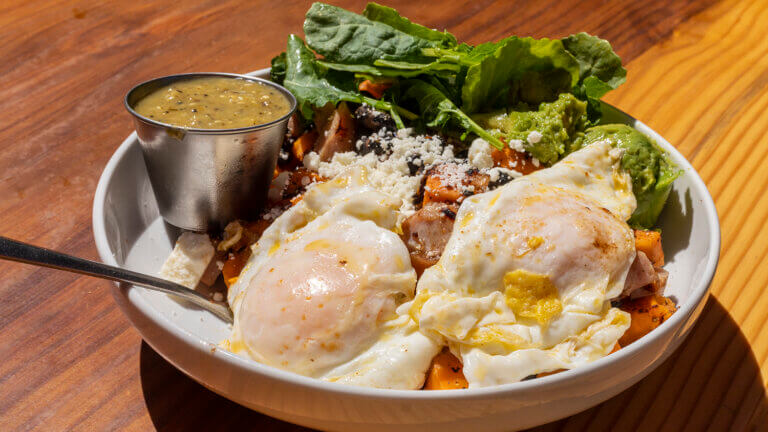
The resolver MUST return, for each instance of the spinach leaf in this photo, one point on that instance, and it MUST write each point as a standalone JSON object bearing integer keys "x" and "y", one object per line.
{"x": 277, "y": 72}
{"x": 389, "y": 16}
{"x": 380, "y": 69}
{"x": 345, "y": 37}
{"x": 432, "y": 67}
{"x": 600, "y": 70}
{"x": 516, "y": 70}
{"x": 438, "y": 111}
{"x": 315, "y": 86}
{"x": 596, "y": 59}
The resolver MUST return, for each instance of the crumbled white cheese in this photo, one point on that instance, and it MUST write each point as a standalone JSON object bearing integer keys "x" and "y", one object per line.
{"x": 391, "y": 174}
{"x": 516, "y": 144}
{"x": 372, "y": 110}
{"x": 534, "y": 137}
{"x": 273, "y": 213}
{"x": 479, "y": 154}
{"x": 495, "y": 174}
{"x": 453, "y": 176}
{"x": 535, "y": 162}
{"x": 311, "y": 161}
{"x": 403, "y": 133}
{"x": 189, "y": 260}
{"x": 278, "y": 185}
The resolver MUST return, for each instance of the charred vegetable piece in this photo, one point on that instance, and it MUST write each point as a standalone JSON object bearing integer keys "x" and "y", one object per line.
{"x": 373, "y": 143}
{"x": 373, "y": 120}
{"x": 451, "y": 183}
{"x": 649, "y": 242}
{"x": 514, "y": 160}
{"x": 646, "y": 313}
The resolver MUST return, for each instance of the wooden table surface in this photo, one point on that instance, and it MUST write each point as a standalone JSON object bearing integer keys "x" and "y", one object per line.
{"x": 698, "y": 74}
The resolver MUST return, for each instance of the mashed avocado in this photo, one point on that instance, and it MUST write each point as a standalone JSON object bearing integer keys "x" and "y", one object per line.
{"x": 548, "y": 133}
{"x": 557, "y": 128}
{"x": 651, "y": 171}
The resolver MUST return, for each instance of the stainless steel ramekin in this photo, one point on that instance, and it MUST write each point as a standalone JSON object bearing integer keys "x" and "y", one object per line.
{"x": 205, "y": 178}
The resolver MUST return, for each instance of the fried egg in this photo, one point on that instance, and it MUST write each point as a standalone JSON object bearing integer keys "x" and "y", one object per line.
{"x": 320, "y": 293}
{"x": 525, "y": 281}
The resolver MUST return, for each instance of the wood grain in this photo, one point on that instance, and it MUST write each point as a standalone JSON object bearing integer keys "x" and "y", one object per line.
{"x": 698, "y": 74}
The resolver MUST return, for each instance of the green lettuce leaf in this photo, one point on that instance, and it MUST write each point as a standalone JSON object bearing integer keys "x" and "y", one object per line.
{"x": 393, "y": 69}
{"x": 600, "y": 70}
{"x": 389, "y": 16}
{"x": 342, "y": 36}
{"x": 438, "y": 111}
{"x": 596, "y": 59}
{"x": 277, "y": 72}
{"x": 516, "y": 70}
{"x": 315, "y": 86}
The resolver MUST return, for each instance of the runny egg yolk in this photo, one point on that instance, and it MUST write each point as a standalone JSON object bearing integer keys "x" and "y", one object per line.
{"x": 531, "y": 295}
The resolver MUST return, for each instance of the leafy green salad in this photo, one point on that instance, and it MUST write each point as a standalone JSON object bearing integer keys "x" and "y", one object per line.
{"x": 499, "y": 91}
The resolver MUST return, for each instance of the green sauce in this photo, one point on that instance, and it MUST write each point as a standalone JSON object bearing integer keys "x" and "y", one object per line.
{"x": 214, "y": 103}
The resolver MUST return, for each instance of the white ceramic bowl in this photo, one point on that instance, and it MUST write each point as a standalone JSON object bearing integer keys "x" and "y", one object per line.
{"x": 130, "y": 233}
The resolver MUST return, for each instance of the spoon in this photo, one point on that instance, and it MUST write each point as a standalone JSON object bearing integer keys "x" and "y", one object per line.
{"x": 13, "y": 250}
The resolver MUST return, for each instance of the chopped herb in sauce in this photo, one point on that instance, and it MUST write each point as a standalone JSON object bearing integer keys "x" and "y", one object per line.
{"x": 214, "y": 103}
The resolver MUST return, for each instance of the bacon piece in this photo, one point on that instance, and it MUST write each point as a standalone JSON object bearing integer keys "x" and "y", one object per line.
{"x": 426, "y": 232}
{"x": 337, "y": 133}
{"x": 643, "y": 278}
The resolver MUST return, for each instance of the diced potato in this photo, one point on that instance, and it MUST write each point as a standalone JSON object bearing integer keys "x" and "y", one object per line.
{"x": 615, "y": 348}
{"x": 514, "y": 160}
{"x": 646, "y": 313}
{"x": 375, "y": 89}
{"x": 543, "y": 374}
{"x": 445, "y": 373}
{"x": 304, "y": 144}
{"x": 649, "y": 242}
{"x": 234, "y": 265}
{"x": 438, "y": 189}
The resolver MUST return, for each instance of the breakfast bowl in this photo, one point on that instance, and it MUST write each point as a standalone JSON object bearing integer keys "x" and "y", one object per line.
{"x": 129, "y": 232}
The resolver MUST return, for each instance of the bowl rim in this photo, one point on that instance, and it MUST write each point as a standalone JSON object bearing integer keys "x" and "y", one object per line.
{"x": 697, "y": 296}
{"x": 230, "y": 131}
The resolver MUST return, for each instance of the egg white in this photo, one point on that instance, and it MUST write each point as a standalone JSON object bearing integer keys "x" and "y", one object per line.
{"x": 319, "y": 295}
{"x": 525, "y": 281}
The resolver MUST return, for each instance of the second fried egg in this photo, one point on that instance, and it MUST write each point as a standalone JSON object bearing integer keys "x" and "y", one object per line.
{"x": 525, "y": 281}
